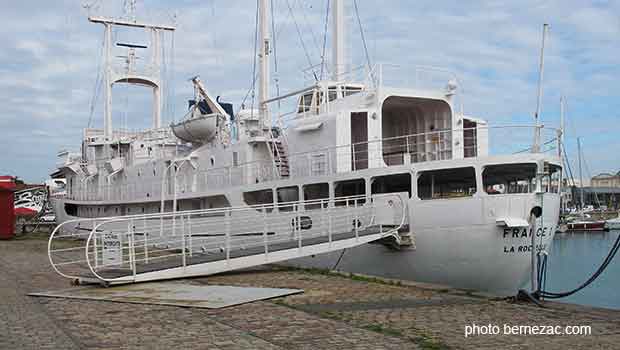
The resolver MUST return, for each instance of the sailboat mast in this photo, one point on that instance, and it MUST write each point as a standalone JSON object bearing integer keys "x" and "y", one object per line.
{"x": 338, "y": 32}
{"x": 536, "y": 146}
{"x": 580, "y": 175}
{"x": 263, "y": 56}
{"x": 561, "y": 133}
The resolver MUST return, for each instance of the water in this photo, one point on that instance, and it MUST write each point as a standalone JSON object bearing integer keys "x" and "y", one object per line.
{"x": 573, "y": 259}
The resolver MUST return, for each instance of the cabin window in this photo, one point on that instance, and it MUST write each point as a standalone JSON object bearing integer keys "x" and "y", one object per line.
{"x": 260, "y": 197}
{"x": 305, "y": 102}
{"x": 212, "y": 161}
{"x": 470, "y": 139}
{"x": 447, "y": 183}
{"x": 350, "y": 188}
{"x": 350, "y": 90}
{"x": 551, "y": 181}
{"x": 391, "y": 184}
{"x": 235, "y": 158}
{"x": 71, "y": 209}
{"x": 332, "y": 93}
{"x": 318, "y": 164}
{"x": 509, "y": 178}
{"x": 313, "y": 192}
{"x": 287, "y": 195}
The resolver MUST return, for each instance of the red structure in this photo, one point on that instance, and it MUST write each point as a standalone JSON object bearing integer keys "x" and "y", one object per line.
{"x": 7, "y": 210}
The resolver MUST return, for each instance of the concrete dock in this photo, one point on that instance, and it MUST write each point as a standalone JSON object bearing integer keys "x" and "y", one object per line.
{"x": 334, "y": 312}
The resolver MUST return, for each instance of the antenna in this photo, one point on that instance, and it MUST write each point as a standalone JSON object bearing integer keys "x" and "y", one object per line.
{"x": 536, "y": 145}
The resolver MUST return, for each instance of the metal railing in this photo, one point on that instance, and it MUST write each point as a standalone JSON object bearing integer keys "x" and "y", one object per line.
{"x": 108, "y": 249}
{"x": 386, "y": 152}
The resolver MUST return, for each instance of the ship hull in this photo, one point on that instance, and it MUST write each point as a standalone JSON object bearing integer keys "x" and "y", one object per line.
{"x": 470, "y": 255}
{"x": 465, "y": 247}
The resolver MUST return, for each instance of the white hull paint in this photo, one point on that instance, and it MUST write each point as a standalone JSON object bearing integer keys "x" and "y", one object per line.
{"x": 613, "y": 224}
{"x": 464, "y": 250}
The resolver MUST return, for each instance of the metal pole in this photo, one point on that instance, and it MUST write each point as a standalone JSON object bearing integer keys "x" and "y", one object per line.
{"x": 263, "y": 56}
{"x": 107, "y": 105}
{"x": 536, "y": 145}
{"x": 338, "y": 33}
{"x": 580, "y": 174}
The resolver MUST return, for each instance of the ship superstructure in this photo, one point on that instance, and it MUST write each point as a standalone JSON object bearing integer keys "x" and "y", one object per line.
{"x": 403, "y": 166}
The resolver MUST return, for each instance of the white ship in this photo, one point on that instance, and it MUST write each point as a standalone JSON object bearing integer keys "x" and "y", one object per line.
{"x": 356, "y": 161}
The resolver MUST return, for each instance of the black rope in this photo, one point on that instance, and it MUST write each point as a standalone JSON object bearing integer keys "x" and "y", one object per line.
{"x": 340, "y": 258}
{"x": 254, "y": 60}
{"x": 301, "y": 39}
{"x": 595, "y": 275}
{"x": 324, "y": 40}
{"x": 359, "y": 21}
{"x": 542, "y": 264}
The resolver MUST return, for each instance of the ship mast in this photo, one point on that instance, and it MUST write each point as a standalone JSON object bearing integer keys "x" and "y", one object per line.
{"x": 338, "y": 32}
{"x": 263, "y": 56}
{"x": 150, "y": 77}
{"x": 536, "y": 145}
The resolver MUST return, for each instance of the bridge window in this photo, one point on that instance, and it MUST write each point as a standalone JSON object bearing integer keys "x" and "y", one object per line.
{"x": 391, "y": 184}
{"x": 314, "y": 192}
{"x": 332, "y": 93}
{"x": 305, "y": 102}
{"x": 447, "y": 183}
{"x": 509, "y": 178}
{"x": 350, "y": 90}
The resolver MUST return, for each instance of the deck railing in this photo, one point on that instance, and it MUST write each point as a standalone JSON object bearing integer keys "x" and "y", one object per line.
{"x": 390, "y": 151}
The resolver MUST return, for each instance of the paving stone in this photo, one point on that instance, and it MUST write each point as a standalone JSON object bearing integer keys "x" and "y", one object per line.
{"x": 334, "y": 312}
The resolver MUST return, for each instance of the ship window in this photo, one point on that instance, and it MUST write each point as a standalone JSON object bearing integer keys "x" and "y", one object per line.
{"x": 318, "y": 164}
{"x": 71, "y": 209}
{"x": 316, "y": 191}
{"x": 509, "y": 178}
{"x": 332, "y": 93}
{"x": 212, "y": 161}
{"x": 391, "y": 184}
{"x": 551, "y": 180}
{"x": 305, "y": 102}
{"x": 264, "y": 197}
{"x": 286, "y": 195}
{"x": 447, "y": 183}
{"x": 349, "y": 188}
{"x": 350, "y": 90}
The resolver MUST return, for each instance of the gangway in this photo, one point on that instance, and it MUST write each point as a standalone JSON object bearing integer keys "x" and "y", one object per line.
{"x": 192, "y": 243}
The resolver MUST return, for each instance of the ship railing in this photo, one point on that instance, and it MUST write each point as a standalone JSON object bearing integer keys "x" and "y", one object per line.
{"x": 414, "y": 77}
{"x": 390, "y": 151}
{"x": 121, "y": 248}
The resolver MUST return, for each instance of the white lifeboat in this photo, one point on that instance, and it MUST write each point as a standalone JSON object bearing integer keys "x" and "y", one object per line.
{"x": 202, "y": 128}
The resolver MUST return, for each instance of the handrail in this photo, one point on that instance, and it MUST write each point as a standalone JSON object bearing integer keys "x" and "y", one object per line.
{"x": 331, "y": 202}
{"x": 266, "y": 168}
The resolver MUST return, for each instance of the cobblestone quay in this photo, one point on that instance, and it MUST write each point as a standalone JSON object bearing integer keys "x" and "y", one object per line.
{"x": 335, "y": 312}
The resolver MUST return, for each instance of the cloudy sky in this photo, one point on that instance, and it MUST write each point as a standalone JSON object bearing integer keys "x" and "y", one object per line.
{"x": 49, "y": 62}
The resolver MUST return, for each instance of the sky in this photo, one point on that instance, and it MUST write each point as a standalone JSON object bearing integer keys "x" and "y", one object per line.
{"x": 50, "y": 60}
